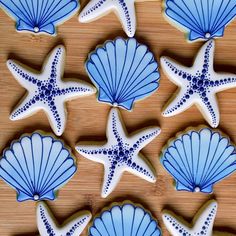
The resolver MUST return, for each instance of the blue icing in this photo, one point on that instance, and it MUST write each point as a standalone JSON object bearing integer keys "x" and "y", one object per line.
{"x": 40, "y": 15}
{"x": 37, "y": 166}
{"x": 204, "y": 20}
{"x": 124, "y": 71}
{"x": 199, "y": 159}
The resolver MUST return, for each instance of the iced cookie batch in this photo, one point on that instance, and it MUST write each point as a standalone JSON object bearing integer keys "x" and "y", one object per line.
{"x": 122, "y": 72}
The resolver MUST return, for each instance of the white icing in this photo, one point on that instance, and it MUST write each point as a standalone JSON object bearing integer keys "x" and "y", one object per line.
{"x": 48, "y": 226}
{"x": 120, "y": 153}
{"x": 46, "y": 90}
{"x": 197, "y": 84}
{"x": 124, "y": 9}
{"x": 203, "y": 224}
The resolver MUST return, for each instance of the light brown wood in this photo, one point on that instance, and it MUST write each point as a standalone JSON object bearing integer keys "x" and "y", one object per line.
{"x": 87, "y": 118}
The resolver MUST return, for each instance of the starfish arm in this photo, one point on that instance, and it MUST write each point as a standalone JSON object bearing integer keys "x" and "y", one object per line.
{"x": 177, "y": 104}
{"x": 141, "y": 168}
{"x": 174, "y": 226}
{"x": 205, "y": 57}
{"x": 54, "y": 64}
{"x": 145, "y": 136}
{"x": 175, "y": 72}
{"x": 46, "y": 223}
{"x": 93, "y": 153}
{"x": 57, "y": 115}
{"x": 77, "y": 225}
{"x": 95, "y": 9}
{"x": 25, "y": 77}
{"x": 125, "y": 10}
{"x": 206, "y": 219}
{"x": 115, "y": 128}
{"x": 26, "y": 108}
{"x": 72, "y": 90}
{"x": 223, "y": 81}
{"x": 210, "y": 110}
{"x": 110, "y": 180}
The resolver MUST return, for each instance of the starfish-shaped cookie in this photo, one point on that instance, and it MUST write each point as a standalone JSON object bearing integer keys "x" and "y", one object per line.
{"x": 120, "y": 153}
{"x": 203, "y": 222}
{"x": 124, "y": 9}
{"x": 198, "y": 84}
{"x": 46, "y": 90}
{"x": 48, "y": 226}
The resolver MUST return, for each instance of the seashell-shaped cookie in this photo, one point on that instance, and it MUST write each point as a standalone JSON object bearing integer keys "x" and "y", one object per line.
{"x": 202, "y": 19}
{"x": 36, "y": 166}
{"x": 126, "y": 219}
{"x": 197, "y": 159}
{"x": 39, "y": 16}
{"x": 123, "y": 71}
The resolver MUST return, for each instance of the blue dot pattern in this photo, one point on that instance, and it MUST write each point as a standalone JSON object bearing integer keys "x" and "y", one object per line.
{"x": 123, "y": 6}
{"x": 199, "y": 83}
{"x": 51, "y": 231}
{"x": 201, "y": 232}
{"x": 47, "y": 90}
{"x": 121, "y": 154}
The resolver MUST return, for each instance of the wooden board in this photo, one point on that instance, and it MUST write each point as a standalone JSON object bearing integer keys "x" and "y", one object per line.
{"x": 87, "y": 118}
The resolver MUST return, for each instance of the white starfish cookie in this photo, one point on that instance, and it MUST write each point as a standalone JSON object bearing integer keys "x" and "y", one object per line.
{"x": 46, "y": 90}
{"x": 120, "y": 153}
{"x": 124, "y": 9}
{"x": 48, "y": 226}
{"x": 203, "y": 222}
{"x": 197, "y": 85}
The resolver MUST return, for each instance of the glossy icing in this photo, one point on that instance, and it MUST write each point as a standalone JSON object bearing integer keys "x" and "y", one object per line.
{"x": 123, "y": 71}
{"x": 198, "y": 85}
{"x": 126, "y": 219}
{"x": 46, "y": 90}
{"x": 39, "y": 16}
{"x": 120, "y": 153}
{"x": 48, "y": 226}
{"x": 199, "y": 158}
{"x": 202, "y": 223}
{"x": 124, "y": 9}
{"x": 36, "y": 166}
{"x": 202, "y": 19}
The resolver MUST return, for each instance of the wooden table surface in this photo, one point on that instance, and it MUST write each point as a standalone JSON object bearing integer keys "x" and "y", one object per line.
{"x": 87, "y": 118}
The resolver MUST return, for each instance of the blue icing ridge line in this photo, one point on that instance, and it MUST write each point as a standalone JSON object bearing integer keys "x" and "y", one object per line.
{"x": 40, "y": 16}
{"x": 198, "y": 85}
{"x": 120, "y": 153}
{"x": 46, "y": 90}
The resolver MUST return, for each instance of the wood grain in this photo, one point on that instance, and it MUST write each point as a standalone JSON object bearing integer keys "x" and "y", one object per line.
{"x": 87, "y": 118}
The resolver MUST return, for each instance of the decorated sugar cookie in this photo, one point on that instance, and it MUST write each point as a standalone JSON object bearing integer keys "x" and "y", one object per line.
{"x": 48, "y": 226}
{"x": 199, "y": 158}
{"x": 46, "y": 90}
{"x": 36, "y": 166}
{"x": 124, "y": 9}
{"x": 39, "y": 16}
{"x": 203, "y": 19}
{"x": 198, "y": 85}
{"x": 125, "y": 219}
{"x": 124, "y": 71}
{"x": 120, "y": 153}
{"x": 202, "y": 223}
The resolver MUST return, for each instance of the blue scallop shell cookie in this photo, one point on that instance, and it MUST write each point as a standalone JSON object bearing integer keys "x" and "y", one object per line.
{"x": 39, "y": 16}
{"x": 125, "y": 219}
{"x": 124, "y": 71}
{"x": 36, "y": 166}
{"x": 202, "y": 19}
{"x": 198, "y": 159}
